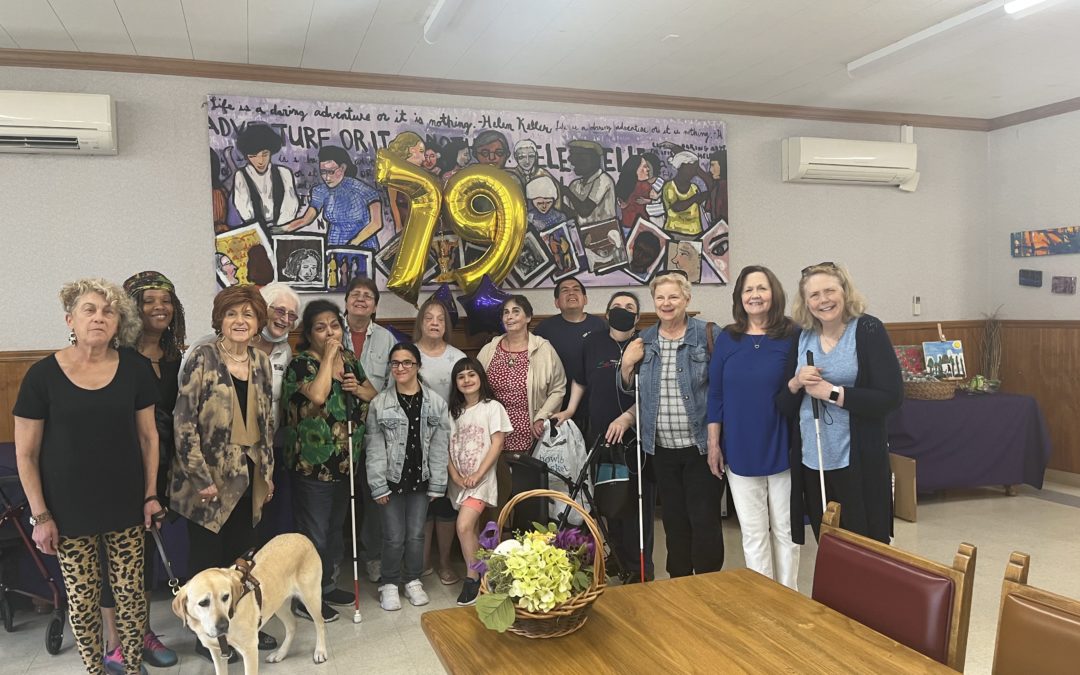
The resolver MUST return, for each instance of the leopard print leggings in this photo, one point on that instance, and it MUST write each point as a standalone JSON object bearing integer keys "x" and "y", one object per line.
{"x": 81, "y": 568}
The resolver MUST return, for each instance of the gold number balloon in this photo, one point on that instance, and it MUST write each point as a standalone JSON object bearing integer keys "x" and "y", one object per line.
{"x": 502, "y": 227}
{"x": 425, "y": 199}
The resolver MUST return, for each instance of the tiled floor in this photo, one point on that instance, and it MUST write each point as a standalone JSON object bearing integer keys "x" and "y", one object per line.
{"x": 1045, "y": 524}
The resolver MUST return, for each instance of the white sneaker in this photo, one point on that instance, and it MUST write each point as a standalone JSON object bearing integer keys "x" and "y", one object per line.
{"x": 374, "y": 570}
{"x": 414, "y": 591}
{"x": 389, "y": 598}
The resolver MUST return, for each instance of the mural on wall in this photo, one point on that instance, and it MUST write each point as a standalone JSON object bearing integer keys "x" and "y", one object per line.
{"x": 298, "y": 195}
{"x": 1055, "y": 241}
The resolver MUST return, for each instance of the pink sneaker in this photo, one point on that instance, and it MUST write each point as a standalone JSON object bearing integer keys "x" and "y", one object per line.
{"x": 155, "y": 653}
{"x": 114, "y": 663}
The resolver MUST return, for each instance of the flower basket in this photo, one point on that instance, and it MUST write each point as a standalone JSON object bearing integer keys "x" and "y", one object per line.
{"x": 932, "y": 391}
{"x": 570, "y": 615}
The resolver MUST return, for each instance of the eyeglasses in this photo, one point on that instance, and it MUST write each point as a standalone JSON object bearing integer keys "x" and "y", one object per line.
{"x": 491, "y": 154}
{"x": 328, "y": 172}
{"x": 282, "y": 313}
{"x": 681, "y": 273}
{"x": 361, "y": 296}
{"x": 828, "y": 265}
{"x": 402, "y": 365}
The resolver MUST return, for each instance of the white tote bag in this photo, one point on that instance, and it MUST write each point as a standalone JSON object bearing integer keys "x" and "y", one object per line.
{"x": 564, "y": 452}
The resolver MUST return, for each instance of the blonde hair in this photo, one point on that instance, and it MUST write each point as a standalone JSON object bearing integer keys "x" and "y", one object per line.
{"x": 671, "y": 278}
{"x": 854, "y": 302}
{"x": 129, "y": 325}
{"x": 401, "y": 144}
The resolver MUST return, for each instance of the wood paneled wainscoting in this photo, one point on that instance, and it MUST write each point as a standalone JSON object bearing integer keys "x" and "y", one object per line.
{"x": 1039, "y": 358}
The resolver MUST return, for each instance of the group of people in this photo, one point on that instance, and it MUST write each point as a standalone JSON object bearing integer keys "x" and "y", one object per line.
{"x": 427, "y": 430}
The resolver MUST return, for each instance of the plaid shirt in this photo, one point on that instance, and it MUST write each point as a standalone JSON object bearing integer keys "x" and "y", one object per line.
{"x": 673, "y": 428}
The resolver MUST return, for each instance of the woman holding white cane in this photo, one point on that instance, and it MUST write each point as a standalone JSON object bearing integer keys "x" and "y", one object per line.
{"x": 857, "y": 379}
{"x": 321, "y": 417}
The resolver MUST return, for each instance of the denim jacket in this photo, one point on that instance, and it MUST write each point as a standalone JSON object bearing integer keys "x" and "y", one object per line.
{"x": 387, "y": 431}
{"x": 692, "y": 363}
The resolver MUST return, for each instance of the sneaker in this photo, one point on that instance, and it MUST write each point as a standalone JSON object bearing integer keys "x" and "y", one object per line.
{"x": 469, "y": 590}
{"x": 389, "y": 598}
{"x": 339, "y": 597}
{"x": 414, "y": 591}
{"x": 156, "y": 654}
{"x": 374, "y": 570}
{"x": 205, "y": 653}
{"x": 114, "y": 663}
{"x": 266, "y": 641}
{"x": 329, "y": 614}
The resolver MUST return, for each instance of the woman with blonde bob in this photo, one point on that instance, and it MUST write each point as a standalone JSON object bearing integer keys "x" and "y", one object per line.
{"x": 672, "y": 400}
{"x": 857, "y": 379}
{"x": 84, "y": 419}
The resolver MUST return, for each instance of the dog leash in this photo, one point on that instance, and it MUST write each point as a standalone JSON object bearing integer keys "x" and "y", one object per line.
{"x": 159, "y": 519}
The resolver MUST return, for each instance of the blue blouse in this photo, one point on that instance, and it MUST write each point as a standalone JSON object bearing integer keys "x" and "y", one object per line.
{"x": 840, "y": 366}
{"x": 744, "y": 378}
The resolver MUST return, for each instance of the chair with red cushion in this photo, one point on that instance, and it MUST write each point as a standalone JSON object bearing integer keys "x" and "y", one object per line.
{"x": 917, "y": 602}
{"x": 1038, "y": 631}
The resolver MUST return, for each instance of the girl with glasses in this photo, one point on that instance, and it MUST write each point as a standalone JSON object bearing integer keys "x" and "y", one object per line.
{"x": 408, "y": 430}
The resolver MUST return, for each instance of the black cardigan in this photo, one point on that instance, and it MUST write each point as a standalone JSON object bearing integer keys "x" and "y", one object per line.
{"x": 878, "y": 390}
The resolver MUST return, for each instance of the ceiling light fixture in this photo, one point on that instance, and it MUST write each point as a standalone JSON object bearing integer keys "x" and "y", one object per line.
{"x": 1015, "y": 6}
{"x": 441, "y": 16}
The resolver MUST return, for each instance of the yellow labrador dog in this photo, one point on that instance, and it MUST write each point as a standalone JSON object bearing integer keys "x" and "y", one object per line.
{"x": 213, "y": 603}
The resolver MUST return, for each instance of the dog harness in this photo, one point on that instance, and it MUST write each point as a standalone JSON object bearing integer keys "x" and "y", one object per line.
{"x": 244, "y": 565}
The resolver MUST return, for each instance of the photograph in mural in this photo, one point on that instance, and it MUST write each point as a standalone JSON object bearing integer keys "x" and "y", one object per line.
{"x": 314, "y": 193}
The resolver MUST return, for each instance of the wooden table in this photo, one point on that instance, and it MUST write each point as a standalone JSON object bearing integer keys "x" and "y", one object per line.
{"x": 724, "y": 622}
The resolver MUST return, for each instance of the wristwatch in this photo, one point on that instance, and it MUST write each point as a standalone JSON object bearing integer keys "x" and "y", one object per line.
{"x": 834, "y": 395}
{"x": 40, "y": 518}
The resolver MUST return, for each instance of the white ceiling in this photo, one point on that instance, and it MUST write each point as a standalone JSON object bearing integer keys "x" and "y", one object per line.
{"x": 775, "y": 51}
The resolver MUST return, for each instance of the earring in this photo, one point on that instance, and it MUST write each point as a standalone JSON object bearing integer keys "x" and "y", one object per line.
{"x": 72, "y": 339}
{"x": 116, "y": 342}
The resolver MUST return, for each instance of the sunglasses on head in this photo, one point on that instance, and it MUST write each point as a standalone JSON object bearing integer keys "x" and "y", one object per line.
{"x": 681, "y": 273}
{"x": 821, "y": 266}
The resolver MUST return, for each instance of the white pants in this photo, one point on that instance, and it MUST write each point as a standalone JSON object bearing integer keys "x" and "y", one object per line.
{"x": 763, "y": 504}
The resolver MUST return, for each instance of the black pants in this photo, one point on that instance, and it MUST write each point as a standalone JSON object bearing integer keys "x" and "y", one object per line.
{"x": 690, "y": 500}
{"x": 207, "y": 549}
{"x": 841, "y": 486}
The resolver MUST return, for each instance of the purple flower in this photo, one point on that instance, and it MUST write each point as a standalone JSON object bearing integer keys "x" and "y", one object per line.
{"x": 489, "y": 536}
{"x": 480, "y": 567}
{"x": 572, "y": 539}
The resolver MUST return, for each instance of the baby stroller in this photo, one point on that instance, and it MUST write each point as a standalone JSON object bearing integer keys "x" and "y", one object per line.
{"x": 596, "y": 470}
{"x": 13, "y": 515}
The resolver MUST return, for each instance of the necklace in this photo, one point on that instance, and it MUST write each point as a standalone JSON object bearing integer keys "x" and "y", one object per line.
{"x": 510, "y": 357}
{"x": 409, "y": 402}
{"x": 230, "y": 355}
{"x": 757, "y": 343}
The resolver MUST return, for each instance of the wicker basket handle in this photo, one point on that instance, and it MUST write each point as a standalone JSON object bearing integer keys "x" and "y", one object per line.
{"x": 599, "y": 573}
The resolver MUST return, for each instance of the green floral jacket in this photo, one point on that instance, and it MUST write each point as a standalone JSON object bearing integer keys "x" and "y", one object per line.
{"x": 316, "y": 436}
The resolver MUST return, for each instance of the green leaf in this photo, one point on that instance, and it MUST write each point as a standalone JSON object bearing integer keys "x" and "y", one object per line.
{"x": 581, "y": 580}
{"x": 496, "y": 611}
{"x": 538, "y": 527}
{"x": 552, "y": 529}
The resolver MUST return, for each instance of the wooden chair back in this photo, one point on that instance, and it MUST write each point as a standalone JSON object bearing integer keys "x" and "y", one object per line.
{"x": 918, "y": 602}
{"x": 1038, "y": 631}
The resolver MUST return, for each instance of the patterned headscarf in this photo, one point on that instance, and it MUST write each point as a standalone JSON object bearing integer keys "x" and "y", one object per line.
{"x": 172, "y": 340}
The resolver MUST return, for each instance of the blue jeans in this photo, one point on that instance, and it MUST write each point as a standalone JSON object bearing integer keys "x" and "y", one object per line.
{"x": 370, "y": 520}
{"x": 320, "y": 508}
{"x": 403, "y": 519}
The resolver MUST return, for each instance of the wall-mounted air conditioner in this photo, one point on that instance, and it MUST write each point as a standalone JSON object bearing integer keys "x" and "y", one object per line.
{"x": 838, "y": 161}
{"x": 68, "y": 124}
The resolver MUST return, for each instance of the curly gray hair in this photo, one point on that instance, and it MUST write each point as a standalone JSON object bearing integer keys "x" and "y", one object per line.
{"x": 129, "y": 326}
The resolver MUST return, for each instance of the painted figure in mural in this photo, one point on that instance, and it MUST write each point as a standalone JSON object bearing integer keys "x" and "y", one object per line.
{"x": 455, "y": 156}
{"x": 263, "y": 192}
{"x": 302, "y": 266}
{"x": 219, "y": 196}
{"x": 332, "y": 272}
{"x": 260, "y": 271}
{"x": 227, "y": 269}
{"x": 634, "y": 189}
{"x": 350, "y": 207}
{"x": 643, "y": 252}
{"x": 591, "y": 196}
{"x": 409, "y": 146}
{"x": 682, "y": 198}
{"x": 716, "y": 179}
{"x": 431, "y": 161}
{"x": 542, "y": 193}
{"x": 526, "y": 167}
{"x": 561, "y": 253}
{"x": 686, "y": 256}
{"x": 491, "y": 147}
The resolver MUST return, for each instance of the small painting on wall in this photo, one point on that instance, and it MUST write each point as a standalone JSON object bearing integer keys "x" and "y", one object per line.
{"x": 1063, "y": 285}
{"x": 1031, "y": 278}
{"x": 1055, "y": 241}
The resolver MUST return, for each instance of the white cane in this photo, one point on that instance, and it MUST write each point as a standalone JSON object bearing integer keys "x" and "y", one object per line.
{"x": 350, "y": 406}
{"x": 817, "y": 432}
{"x": 640, "y": 500}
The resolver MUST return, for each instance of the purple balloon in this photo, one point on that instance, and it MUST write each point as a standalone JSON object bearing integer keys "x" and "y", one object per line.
{"x": 443, "y": 295}
{"x": 484, "y": 307}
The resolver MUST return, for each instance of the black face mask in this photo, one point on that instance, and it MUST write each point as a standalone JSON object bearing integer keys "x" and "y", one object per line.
{"x": 621, "y": 319}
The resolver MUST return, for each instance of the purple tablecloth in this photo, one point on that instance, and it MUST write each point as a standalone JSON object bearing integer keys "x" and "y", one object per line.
{"x": 972, "y": 441}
